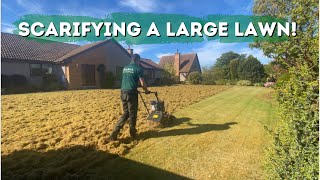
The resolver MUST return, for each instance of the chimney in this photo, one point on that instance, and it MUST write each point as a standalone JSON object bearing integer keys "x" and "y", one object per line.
{"x": 130, "y": 51}
{"x": 177, "y": 63}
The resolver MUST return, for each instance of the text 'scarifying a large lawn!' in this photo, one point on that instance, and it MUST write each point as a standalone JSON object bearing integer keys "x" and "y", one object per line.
{"x": 218, "y": 133}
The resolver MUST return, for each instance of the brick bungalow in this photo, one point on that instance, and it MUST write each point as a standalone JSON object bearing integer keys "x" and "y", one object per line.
{"x": 183, "y": 64}
{"x": 152, "y": 71}
{"x": 76, "y": 66}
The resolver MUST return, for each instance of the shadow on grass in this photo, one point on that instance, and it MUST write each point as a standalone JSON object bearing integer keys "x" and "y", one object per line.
{"x": 188, "y": 130}
{"x": 78, "y": 162}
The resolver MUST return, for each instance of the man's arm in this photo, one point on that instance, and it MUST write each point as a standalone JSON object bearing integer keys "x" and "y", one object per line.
{"x": 143, "y": 84}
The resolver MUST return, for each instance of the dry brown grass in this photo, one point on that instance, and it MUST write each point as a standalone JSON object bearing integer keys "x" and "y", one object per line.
{"x": 44, "y": 122}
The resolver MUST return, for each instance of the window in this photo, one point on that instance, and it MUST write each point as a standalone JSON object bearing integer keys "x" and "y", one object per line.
{"x": 148, "y": 74}
{"x": 40, "y": 69}
{"x": 35, "y": 69}
{"x": 47, "y": 68}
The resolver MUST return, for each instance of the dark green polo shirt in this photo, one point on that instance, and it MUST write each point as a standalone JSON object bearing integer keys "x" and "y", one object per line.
{"x": 130, "y": 76}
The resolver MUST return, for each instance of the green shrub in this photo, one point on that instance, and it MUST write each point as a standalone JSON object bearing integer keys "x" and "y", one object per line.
{"x": 50, "y": 82}
{"x": 14, "y": 84}
{"x": 18, "y": 80}
{"x": 284, "y": 78}
{"x": 259, "y": 84}
{"x": 194, "y": 78}
{"x": 244, "y": 83}
{"x": 169, "y": 74}
{"x": 5, "y": 81}
{"x": 168, "y": 80}
{"x": 295, "y": 153}
{"x": 221, "y": 82}
{"x": 207, "y": 77}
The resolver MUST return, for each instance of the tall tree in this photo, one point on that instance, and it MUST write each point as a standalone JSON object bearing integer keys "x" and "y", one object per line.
{"x": 251, "y": 69}
{"x": 233, "y": 67}
{"x": 222, "y": 63}
{"x": 225, "y": 58}
{"x": 168, "y": 74}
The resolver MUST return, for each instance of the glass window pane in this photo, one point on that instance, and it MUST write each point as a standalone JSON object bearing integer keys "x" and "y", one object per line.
{"x": 47, "y": 68}
{"x": 35, "y": 69}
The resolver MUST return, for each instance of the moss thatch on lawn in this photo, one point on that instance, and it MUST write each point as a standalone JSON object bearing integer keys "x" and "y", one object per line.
{"x": 55, "y": 120}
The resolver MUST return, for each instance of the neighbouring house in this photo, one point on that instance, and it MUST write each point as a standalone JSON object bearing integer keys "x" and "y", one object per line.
{"x": 183, "y": 64}
{"x": 76, "y": 66}
{"x": 152, "y": 71}
{"x": 30, "y": 57}
{"x": 81, "y": 66}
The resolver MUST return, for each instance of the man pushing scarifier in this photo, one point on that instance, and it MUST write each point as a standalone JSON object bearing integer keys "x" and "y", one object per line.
{"x": 131, "y": 75}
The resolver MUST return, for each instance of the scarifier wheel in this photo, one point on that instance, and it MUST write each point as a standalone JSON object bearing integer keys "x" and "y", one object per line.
{"x": 167, "y": 119}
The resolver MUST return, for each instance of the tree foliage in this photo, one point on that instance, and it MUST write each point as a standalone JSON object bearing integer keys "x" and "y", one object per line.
{"x": 168, "y": 74}
{"x": 206, "y": 76}
{"x": 194, "y": 77}
{"x": 231, "y": 67}
{"x": 294, "y": 154}
{"x": 225, "y": 58}
{"x": 251, "y": 69}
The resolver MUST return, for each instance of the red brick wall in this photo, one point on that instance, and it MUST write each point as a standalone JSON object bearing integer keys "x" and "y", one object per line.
{"x": 108, "y": 54}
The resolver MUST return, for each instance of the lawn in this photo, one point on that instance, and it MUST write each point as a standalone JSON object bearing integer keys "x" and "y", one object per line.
{"x": 221, "y": 137}
{"x": 63, "y": 134}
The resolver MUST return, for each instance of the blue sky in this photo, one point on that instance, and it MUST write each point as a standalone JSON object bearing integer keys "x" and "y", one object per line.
{"x": 208, "y": 51}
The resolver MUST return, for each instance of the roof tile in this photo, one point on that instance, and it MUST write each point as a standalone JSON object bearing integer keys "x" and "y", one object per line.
{"x": 186, "y": 61}
{"x": 20, "y": 48}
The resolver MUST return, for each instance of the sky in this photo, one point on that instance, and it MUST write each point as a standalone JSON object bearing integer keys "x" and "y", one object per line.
{"x": 208, "y": 51}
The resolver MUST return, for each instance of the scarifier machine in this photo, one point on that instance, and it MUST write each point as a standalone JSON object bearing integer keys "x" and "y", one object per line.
{"x": 157, "y": 110}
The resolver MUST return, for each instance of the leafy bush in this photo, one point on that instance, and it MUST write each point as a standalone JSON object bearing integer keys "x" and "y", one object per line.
{"x": 194, "y": 78}
{"x": 258, "y": 84}
{"x": 50, "y": 82}
{"x": 5, "y": 81}
{"x": 244, "y": 83}
{"x": 14, "y": 84}
{"x": 221, "y": 82}
{"x": 168, "y": 80}
{"x": 284, "y": 78}
{"x": 169, "y": 74}
{"x": 18, "y": 80}
{"x": 294, "y": 154}
{"x": 207, "y": 77}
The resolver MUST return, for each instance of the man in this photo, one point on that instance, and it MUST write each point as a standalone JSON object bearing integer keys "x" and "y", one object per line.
{"x": 131, "y": 74}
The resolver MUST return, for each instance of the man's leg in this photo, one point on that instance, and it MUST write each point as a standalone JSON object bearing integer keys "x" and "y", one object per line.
{"x": 133, "y": 109}
{"x": 123, "y": 118}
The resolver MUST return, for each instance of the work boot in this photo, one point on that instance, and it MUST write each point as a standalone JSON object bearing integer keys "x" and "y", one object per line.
{"x": 133, "y": 133}
{"x": 113, "y": 136}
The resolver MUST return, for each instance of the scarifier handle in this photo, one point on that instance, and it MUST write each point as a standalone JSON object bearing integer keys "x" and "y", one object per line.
{"x": 144, "y": 103}
{"x": 155, "y": 93}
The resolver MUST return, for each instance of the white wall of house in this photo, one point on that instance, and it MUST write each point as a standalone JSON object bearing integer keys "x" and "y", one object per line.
{"x": 183, "y": 76}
